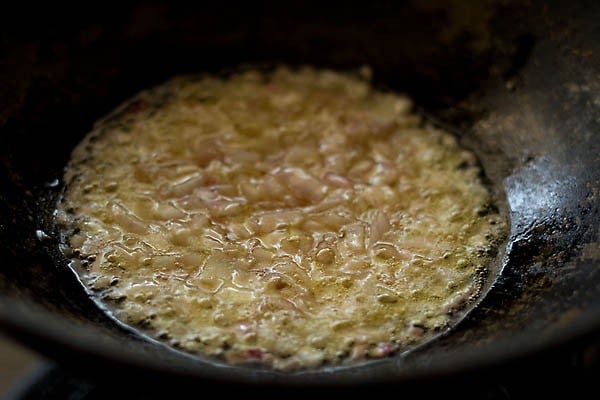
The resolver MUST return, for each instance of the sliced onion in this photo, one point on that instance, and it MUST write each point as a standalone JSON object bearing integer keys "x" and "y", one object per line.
{"x": 302, "y": 185}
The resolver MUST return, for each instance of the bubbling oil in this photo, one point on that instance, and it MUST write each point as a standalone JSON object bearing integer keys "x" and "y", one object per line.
{"x": 294, "y": 219}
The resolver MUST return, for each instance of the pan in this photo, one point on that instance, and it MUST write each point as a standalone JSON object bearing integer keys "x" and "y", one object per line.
{"x": 517, "y": 82}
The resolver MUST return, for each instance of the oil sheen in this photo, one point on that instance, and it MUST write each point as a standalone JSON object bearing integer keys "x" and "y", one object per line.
{"x": 293, "y": 218}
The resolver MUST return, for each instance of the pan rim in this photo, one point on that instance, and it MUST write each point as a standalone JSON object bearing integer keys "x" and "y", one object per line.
{"x": 76, "y": 346}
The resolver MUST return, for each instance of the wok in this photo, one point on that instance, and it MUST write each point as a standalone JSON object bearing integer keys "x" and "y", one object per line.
{"x": 518, "y": 82}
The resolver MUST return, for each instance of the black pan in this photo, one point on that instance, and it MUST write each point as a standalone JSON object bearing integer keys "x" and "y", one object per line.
{"x": 519, "y": 83}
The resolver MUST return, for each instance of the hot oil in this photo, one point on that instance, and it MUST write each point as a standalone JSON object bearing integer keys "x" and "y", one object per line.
{"x": 293, "y": 219}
